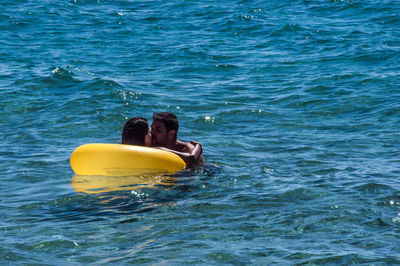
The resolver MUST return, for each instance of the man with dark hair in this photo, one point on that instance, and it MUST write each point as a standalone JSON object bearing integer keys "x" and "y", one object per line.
{"x": 164, "y": 133}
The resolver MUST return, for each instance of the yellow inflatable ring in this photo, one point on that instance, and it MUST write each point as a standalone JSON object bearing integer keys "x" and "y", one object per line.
{"x": 123, "y": 160}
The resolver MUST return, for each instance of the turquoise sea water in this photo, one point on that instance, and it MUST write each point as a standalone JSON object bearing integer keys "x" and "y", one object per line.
{"x": 296, "y": 103}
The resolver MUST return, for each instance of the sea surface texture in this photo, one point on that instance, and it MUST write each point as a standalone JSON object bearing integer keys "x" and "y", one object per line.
{"x": 296, "y": 104}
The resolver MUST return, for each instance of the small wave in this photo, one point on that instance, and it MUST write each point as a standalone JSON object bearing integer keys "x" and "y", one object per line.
{"x": 378, "y": 222}
{"x": 63, "y": 78}
{"x": 226, "y": 66}
{"x": 61, "y": 71}
{"x": 373, "y": 188}
{"x": 60, "y": 76}
{"x": 300, "y": 194}
{"x": 103, "y": 84}
{"x": 286, "y": 29}
{"x": 395, "y": 111}
{"x": 348, "y": 259}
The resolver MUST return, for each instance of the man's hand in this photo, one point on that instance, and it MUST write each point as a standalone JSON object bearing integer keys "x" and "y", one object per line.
{"x": 197, "y": 151}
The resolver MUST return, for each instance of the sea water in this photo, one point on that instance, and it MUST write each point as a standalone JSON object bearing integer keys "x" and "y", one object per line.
{"x": 296, "y": 104}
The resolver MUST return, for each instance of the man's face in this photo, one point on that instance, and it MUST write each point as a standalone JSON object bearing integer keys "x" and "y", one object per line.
{"x": 159, "y": 134}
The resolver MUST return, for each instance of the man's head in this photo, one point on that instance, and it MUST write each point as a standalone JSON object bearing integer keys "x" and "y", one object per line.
{"x": 136, "y": 132}
{"x": 164, "y": 129}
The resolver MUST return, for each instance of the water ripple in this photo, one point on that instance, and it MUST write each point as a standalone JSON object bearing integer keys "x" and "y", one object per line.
{"x": 295, "y": 103}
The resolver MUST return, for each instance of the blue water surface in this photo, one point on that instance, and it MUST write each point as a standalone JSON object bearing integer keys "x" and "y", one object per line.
{"x": 296, "y": 103}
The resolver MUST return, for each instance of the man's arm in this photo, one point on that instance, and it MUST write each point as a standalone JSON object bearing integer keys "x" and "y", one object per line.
{"x": 193, "y": 156}
{"x": 198, "y": 153}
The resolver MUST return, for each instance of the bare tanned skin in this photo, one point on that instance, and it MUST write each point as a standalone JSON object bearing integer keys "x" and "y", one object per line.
{"x": 192, "y": 152}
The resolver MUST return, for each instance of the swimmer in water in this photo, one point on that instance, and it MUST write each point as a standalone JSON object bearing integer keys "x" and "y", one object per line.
{"x": 164, "y": 133}
{"x": 136, "y": 132}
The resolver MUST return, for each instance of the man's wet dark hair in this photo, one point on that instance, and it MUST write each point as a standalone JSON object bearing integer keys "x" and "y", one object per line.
{"x": 135, "y": 131}
{"x": 169, "y": 120}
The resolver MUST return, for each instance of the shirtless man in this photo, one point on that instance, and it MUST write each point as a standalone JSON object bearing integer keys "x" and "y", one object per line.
{"x": 164, "y": 133}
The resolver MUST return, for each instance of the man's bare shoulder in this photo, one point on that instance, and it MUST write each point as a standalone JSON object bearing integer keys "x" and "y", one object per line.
{"x": 184, "y": 146}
